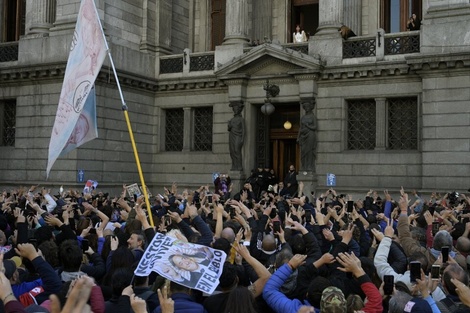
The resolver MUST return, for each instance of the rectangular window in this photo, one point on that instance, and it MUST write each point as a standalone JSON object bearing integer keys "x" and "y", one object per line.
{"x": 394, "y": 14}
{"x": 7, "y": 122}
{"x": 202, "y": 131}
{"x": 402, "y": 123}
{"x": 13, "y": 20}
{"x": 398, "y": 129}
{"x": 217, "y": 22}
{"x": 174, "y": 129}
{"x": 361, "y": 124}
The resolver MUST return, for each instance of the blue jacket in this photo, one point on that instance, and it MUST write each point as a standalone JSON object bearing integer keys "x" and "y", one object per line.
{"x": 50, "y": 281}
{"x": 275, "y": 298}
{"x": 184, "y": 303}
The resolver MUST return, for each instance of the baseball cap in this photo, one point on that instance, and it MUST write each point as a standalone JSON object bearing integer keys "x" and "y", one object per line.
{"x": 10, "y": 268}
{"x": 332, "y": 301}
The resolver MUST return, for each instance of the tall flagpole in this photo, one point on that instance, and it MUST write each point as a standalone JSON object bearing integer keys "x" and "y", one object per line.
{"x": 129, "y": 126}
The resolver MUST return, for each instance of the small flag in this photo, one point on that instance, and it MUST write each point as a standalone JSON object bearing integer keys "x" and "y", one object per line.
{"x": 87, "y": 53}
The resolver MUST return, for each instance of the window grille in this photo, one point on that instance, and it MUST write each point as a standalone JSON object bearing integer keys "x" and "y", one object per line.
{"x": 8, "y": 122}
{"x": 403, "y": 123}
{"x": 203, "y": 129}
{"x": 174, "y": 129}
{"x": 361, "y": 124}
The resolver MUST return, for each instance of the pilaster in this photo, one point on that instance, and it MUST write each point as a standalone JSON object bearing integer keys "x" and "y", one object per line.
{"x": 187, "y": 130}
{"x": 381, "y": 120}
{"x": 262, "y": 24}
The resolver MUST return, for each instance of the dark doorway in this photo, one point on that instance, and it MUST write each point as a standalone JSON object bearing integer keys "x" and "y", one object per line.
{"x": 277, "y": 146}
{"x": 305, "y": 13}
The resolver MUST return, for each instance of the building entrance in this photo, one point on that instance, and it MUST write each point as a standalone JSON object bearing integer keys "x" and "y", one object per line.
{"x": 277, "y": 139}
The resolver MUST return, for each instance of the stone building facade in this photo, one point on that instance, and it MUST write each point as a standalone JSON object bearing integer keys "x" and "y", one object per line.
{"x": 392, "y": 106}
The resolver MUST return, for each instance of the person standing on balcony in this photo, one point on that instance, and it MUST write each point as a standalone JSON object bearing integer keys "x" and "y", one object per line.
{"x": 299, "y": 35}
{"x": 413, "y": 23}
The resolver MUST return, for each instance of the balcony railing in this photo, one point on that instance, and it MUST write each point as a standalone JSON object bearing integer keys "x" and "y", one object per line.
{"x": 381, "y": 45}
{"x": 173, "y": 64}
{"x": 376, "y": 47}
{"x": 201, "y": 62}
{"x": 401, "y": 43}
{"x": 9, "y": 51}
{"x": 359, "y": 47}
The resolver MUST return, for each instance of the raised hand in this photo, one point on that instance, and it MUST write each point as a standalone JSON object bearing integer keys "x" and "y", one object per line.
{"x": 296, "y": 261}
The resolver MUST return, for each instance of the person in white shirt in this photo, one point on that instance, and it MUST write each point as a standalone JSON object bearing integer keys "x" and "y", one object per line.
{"x": 299, "y": 35}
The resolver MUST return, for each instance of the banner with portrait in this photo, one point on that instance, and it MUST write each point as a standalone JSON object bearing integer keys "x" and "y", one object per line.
{"x": 191, "y": 265}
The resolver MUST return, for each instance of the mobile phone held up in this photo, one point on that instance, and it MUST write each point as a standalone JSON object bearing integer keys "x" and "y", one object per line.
{"x": 276, "y": 226}
{"x": 350, "y": 206}
{"x": 435, "y": 228}
{"x": 415, "y": 271}
{"x": 445, "y": 254}
{"x": 435, "y": 272}
{"x": 388, "y": 284}
{"x": 85, "y": 245}
{"x": 308, "y": 216}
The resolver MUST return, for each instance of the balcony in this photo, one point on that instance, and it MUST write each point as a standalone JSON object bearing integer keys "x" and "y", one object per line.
{"x": 194, "y": 62}
{"x": 381, "y": 45}
{"x": 9, "y": 51}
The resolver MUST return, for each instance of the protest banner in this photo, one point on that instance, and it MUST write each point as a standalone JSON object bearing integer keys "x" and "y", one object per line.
{"x": 191, "y": 265}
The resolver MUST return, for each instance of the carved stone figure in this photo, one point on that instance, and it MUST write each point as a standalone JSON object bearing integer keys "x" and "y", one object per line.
{"x": 307, "y": 137}
{"x": 236, "y": 128}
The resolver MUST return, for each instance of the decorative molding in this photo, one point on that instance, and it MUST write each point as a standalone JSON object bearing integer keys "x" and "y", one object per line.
{"x": 440, "y": 62}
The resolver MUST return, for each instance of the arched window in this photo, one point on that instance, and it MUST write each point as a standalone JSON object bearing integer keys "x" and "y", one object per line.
{"x": 395, "y": 14}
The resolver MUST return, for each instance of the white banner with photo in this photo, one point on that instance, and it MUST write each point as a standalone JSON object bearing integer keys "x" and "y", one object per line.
{"x": 191, "y": 265}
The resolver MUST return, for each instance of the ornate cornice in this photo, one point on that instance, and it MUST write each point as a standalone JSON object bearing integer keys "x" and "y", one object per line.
{"x": 432, "y": 62}
{"x": 369, "y": 70}
{"x": 56, "y": 71}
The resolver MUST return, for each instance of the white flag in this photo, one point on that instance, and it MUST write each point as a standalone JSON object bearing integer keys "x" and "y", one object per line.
{"x": 87, "y": 53}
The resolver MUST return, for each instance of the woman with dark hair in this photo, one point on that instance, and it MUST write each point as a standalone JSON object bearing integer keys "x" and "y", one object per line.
{"x": 240, "y": 300}
{"x": 121, "y": 279}
{"x": 118, "y": 258}
{"x": 299, "y": 35}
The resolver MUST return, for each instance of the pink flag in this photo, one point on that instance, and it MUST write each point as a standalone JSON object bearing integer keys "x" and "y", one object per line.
{"x": 87, "y": 53}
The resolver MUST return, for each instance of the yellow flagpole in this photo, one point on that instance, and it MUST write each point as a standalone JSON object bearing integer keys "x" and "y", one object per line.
{"x": 139, "y": 168}
{"x": 129, "y": 127}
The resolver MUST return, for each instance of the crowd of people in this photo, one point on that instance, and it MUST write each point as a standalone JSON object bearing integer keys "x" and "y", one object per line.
{"x": 286, "y": 251}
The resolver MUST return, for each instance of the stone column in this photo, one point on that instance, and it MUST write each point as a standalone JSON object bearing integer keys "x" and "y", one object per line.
{"x": 236, "y": 22}
{"x": 41, "y": 15}
{"x": 330, "y": 16}
{"x": 353, "y": 15}
{"x": 381, "y": 122}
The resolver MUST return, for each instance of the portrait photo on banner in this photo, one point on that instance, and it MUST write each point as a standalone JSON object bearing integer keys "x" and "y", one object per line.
{"x": 191, "y": 265}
